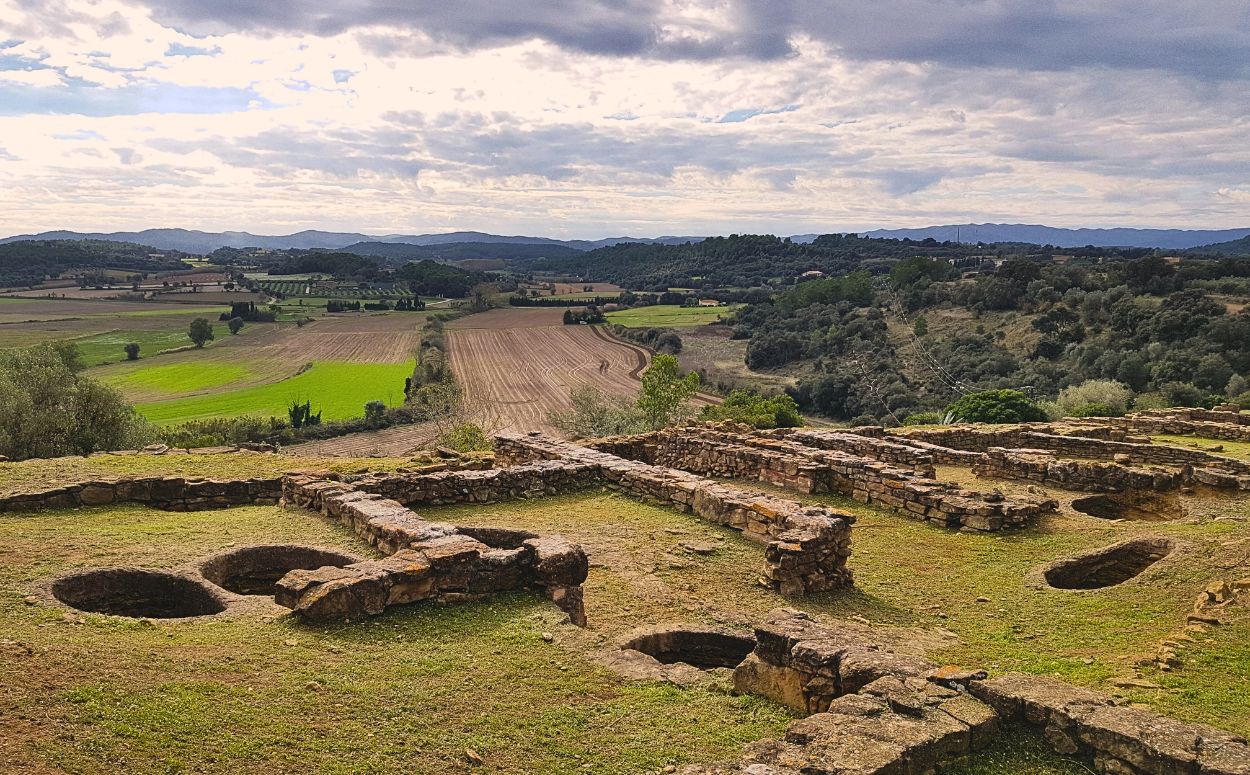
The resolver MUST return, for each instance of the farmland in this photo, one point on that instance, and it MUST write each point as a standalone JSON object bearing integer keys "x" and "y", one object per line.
{"x": 338, "y": 362}
{"x": 523, "y": 362}
{"x": 100, "y": 329}
{"x": 516, "y": 365}
{"x": 668, "y": 316}
{"x": 312, "y": 288}
{"x": 337, "y": 389}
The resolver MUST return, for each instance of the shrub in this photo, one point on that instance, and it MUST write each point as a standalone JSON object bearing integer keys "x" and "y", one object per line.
{"x": 1095, "y": 410}
{"x": 1181, "y": 394}
{"x": 132, "y": 351}
{"x": 1150, "y": 401}
{"x": 1113, "y": 397}
{"x": 235, "y": 325}
{"x": 996, "y": 406}
{"x": 465, "y": 437}
{"x": 374, "y": 412}
{"x": 665, "y": 396}
{"x": 594, "y": 413}
{"x": 924, "y": 418}
{"x": 749, "y": 407}
{"x": 224, "y": 431}
{"x": 48, "y": 410}
{"x": 302, "y": 414}
{"x": 200, "y": 332}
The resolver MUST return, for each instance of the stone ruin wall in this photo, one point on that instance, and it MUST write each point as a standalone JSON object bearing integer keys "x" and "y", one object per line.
{"x": 1038, "y": 453}
{"x": 169, "y": 493}
{"x": 818, "y": 466}
{"x": 806, "y": 547}
{"x": 427, "y": 560}
{"x": 869, "y": 709}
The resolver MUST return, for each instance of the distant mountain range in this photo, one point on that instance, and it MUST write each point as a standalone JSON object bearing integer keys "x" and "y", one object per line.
{"x": 1166, "y": 239}
{"x": 202, "y": 242}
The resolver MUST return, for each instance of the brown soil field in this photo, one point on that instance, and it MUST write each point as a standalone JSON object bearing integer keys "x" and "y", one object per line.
{"x": 519, "y": 365}
{"x": 19, "y": 311}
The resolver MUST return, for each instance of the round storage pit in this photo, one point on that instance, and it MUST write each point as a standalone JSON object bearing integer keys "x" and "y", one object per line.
{"x": 255, "y": 570}
{"x": 137, "y": 592}
{"x": 705, "y": 649}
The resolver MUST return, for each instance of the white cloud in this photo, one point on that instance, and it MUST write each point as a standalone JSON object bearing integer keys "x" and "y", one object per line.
{"x": 113, "y": 120}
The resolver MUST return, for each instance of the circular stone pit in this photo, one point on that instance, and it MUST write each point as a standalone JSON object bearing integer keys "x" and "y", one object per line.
{"x": 137, "y": 592}
{"x": 701, "y": 647}
{"x": 1132, "y": 506}
{"x": 255, "y": 570}
{"x": 1109, "y": 565}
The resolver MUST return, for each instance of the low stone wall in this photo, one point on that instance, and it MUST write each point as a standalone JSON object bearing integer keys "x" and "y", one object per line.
{"x": 873, "y": 711}
{"x": 171, "y": 493}
{"x": 787, "y": 460}
{"x": 428, "y": 560}
{"x": 1203, "y": 423}
{"x": 1121, "y": 740}
{"x": 883, "y": 450}
{"x": 544, "y": 478}
{"x": 1043, "y": 467}
{"x": 806, "y": 546}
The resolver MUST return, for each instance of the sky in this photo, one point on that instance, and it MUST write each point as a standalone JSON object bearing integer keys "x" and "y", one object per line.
{"x": 580, "y": 119}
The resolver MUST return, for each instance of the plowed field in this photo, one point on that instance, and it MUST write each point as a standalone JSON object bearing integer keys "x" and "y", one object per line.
{"x": 518, "y": 365}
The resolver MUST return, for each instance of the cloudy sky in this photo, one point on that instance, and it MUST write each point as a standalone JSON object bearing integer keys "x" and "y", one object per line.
{"x": 583, "y": 118}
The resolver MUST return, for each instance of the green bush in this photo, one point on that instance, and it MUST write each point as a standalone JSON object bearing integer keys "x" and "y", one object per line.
{"x": 48, "y": 410}
{"x": 595, "y": 413}
{"x": 1095, "y": 410}
{"x": 924, "y": 418}
{"x": 996, "y": 406}
{"x": 465, "y": 437}
{"x": 749, "y": 407}
{"x": 1113, "y": 397}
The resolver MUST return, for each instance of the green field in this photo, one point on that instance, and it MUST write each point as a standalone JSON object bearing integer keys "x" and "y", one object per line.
{"x": 340, "y": 390}
{"x": 174, "y": 378}
{"x": 668, "y": 316}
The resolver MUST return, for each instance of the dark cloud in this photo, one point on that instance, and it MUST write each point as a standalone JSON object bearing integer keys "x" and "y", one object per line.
{"x": 1208, "y": 39}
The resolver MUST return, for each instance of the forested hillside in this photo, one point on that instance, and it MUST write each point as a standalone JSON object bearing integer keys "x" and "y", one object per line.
{"x": 743, "y": 261}
{"x": 33, "y": 261}
{"x": 880, "y": 348}
{"x": 1237, "y": 247}
{"x": 461, "y": 251}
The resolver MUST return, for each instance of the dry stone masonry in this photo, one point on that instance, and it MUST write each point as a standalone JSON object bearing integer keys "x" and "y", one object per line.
{"x": 874, "y": 712}
{"x": 815, "y": 462}
{"x": 806, "y": 547}
{"x": 427, "y": 560}
{"x": 171, "y": 493}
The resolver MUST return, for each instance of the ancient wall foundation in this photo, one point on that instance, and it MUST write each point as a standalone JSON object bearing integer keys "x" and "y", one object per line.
{"x": 170, "y": 493}
{"x": 814, "y": 462}
{"x": 871, "y": 710}
{"x": 806, "y": 546}
{"x": 427, "y": 560}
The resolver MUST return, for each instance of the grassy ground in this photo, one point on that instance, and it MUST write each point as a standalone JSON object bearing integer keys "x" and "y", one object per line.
{"x": 338, "y": 390}
{"x": 182, "y": 377}
{"x": 667, "y": 316}
{"x": 412, "y": 689}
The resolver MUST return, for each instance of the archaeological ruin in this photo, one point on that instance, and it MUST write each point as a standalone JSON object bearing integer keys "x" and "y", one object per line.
{"x": 865, "y": 707}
